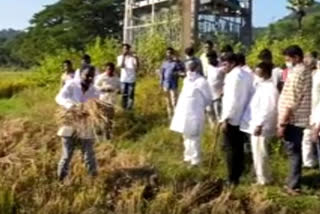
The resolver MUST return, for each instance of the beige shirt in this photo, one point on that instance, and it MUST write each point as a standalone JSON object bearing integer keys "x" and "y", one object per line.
{"x": 108, "y": 87}
{"x": 296, "y": 95}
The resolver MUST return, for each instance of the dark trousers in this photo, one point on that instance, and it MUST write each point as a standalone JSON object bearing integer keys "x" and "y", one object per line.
{"x": 233, "y": 146}
{"x": 127, "y": 90}
{"x": 293, "y": 143}
{"x": 318, "y": 151}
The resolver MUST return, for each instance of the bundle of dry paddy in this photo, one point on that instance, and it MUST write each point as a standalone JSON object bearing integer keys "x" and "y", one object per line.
{"x": 93, "y": 117}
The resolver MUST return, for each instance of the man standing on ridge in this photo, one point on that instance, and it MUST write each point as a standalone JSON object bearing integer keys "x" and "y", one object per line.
{"x": 128, "y": 63}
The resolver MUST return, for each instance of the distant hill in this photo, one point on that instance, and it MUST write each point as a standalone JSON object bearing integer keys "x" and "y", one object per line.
{"x": 288, "y": 25}
{"x": 9, "y": 33}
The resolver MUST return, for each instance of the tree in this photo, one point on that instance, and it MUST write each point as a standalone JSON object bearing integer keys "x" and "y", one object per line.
{"x": 69, "y": 24}
{"x": 299, "y": 8}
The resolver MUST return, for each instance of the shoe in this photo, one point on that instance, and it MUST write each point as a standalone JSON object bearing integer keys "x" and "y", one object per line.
{"x": 292, "y": 192}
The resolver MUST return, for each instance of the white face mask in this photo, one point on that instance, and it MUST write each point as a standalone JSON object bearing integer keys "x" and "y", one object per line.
{"x": 191, "y": 75}
{"x": 258, "y": 79}
{"x": 289, "y": 65}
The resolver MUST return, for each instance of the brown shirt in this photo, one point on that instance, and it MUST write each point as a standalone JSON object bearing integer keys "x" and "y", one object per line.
{"x": 296, "y": 96}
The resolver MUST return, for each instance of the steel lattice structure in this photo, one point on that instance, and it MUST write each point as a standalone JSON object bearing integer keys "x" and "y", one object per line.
{"x": 199, "y": 19}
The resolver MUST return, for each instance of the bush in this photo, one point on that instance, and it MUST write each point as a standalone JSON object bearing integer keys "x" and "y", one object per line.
{"x": 103, "y": 51}
{"x": 277, "y": 47}
{"x": 50, "y": 68}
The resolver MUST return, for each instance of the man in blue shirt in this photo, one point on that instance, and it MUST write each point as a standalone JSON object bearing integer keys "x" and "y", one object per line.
{"x": 169, "y": 76}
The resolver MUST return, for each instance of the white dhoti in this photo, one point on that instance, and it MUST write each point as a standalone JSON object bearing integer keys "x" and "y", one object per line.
{"x": 260, "y": 159}
{"x": 192, "y": 149}
{"x": 308, "y": 157}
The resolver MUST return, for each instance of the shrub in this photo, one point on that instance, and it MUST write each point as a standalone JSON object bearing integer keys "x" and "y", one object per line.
{"x": 50, "y": 68}
{"x": 102, "y": 51}
{"x": 277, "y": 47}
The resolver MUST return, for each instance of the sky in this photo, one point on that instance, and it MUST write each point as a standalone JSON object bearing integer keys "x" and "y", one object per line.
{"x": 17, "y": 13}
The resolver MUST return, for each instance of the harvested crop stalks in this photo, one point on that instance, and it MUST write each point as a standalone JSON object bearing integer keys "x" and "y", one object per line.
{"x": 91, "y": 118}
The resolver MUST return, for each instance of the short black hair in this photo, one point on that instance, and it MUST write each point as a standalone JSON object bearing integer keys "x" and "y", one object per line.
{"x": 227, "y": 49}
{"x": 68, "y": 62}
{"x": 293, "y": 51}
{"x": 241, "y": 58}
{"x": 126, "y": 45}
{"x": 189, "y": 51}
{"x": 230, "y": 57}
{"x": 213, "y": 58}
{"x": 111, "y": 65}
{"x": 86, "y": 58}
{"x": 266, "y": 68}
{"x": 209, "y": 42}
{"x": 265, "y": 55}
{"x": 91, "y": 69}
{"x": 314, "y": 54}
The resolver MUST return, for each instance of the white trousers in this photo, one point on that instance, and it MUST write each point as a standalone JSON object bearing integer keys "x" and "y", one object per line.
{"x": 260, "y": 159}
{"x": 192, "y": 149}
{"x": 308, "y": 157}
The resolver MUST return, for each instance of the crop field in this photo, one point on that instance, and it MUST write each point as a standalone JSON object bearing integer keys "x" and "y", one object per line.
{"x": 140, "y": 170}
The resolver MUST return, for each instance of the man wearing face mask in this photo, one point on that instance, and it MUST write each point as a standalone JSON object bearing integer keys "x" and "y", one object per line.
{"x": 237, "y": 90}
{"x": 189, "y": 115}
{"x": 294, "y": 112}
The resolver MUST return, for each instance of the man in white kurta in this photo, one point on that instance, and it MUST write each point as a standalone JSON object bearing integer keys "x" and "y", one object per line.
{"x": 189, "y": 116}
{"x": 215, "y": 78}
{"x": 237, "y": 91}
{"x": 260, "y": 120}
{"x": 308, "y": 149}
{"x": 75, "y": 92}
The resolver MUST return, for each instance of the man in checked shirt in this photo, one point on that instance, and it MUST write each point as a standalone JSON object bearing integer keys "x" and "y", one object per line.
{"x": 294, "y": 113}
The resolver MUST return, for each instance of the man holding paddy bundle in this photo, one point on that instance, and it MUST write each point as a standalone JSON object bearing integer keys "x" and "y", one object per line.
{"x": 72, "y": 96}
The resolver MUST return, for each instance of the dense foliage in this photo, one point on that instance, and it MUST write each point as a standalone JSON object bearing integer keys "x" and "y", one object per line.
{"x": 67, "y": 24}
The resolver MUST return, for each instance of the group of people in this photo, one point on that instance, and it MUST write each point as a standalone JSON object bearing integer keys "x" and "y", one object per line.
{"x": 249, "y": 104}
{"x": 88, "y": 83}
{"x": 246, "y": 104}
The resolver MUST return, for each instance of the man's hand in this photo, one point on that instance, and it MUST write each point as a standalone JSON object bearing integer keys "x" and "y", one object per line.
{"x": 224, "y": 126}
{"x": 258, "y": 131}
{"x": 280, "y": 131}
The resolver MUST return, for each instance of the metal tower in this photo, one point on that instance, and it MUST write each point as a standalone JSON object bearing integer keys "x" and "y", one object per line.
{"x": 200, "y": 19}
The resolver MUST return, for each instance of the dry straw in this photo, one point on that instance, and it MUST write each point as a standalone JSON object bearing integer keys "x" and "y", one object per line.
{"x": 93, "y": 117}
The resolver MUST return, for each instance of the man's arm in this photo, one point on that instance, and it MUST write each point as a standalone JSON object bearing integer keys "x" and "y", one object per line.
{"x": 231, "y": 98}
{"x": 64, "y": 97}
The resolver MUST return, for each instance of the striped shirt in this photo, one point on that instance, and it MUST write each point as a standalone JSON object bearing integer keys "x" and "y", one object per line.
{"x": 296, "y": 96}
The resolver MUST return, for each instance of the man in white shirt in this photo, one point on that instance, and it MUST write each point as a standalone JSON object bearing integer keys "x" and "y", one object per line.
{"x": 243, "y": 63}
{"x": 237, "y": 90}
{"x": 208, "y": 47}
{"x": 215, "y": 78}
{"x": 266, "y": 56}
{"x": 260, "y": 120}
{"x": 75, "y": 92}
{"x": 129, "y": 66}
{"x": 308, "y": 149}
{"x": 85, "y": 63}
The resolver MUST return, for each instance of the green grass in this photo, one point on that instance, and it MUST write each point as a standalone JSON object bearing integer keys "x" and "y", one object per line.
{"x": 142, "y": 140}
